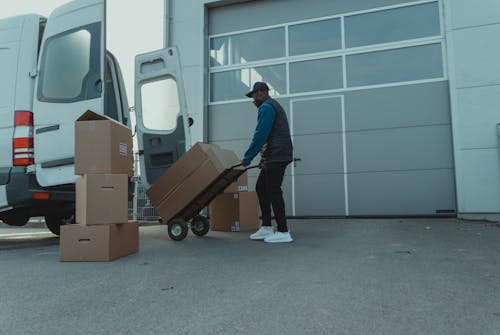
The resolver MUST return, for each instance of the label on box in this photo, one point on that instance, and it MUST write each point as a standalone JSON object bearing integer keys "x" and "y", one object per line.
{"x": 123, "y": 149}
{"x": 242, "y": 188}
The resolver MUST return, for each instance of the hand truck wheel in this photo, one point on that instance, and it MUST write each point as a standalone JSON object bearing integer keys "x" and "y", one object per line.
{"x": 177, "y": 229}
{"x": 200, "y": 225}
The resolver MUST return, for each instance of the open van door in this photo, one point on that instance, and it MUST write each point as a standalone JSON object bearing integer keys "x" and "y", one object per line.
{"x": 70, "y": 80}
{"x": 160, "y": 106}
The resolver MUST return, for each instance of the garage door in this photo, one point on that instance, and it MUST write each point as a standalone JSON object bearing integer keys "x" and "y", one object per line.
{"x": 365, "y": 87}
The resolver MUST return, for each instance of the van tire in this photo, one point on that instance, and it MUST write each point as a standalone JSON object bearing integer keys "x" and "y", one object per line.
{"x": 54, "y": 222}
{"x": 17, "y": 219}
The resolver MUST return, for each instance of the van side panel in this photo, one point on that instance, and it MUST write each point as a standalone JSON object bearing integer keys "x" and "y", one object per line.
{"x": 18, "y": 57}
{"x": 19, "y": 42}
{"x": 10, "y": 36}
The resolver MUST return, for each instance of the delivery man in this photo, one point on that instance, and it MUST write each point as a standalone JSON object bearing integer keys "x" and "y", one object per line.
{"x": 272, "y": 139}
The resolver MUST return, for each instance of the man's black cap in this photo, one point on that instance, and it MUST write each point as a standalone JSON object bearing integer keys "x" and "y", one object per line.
{"x": 258, "y": 86}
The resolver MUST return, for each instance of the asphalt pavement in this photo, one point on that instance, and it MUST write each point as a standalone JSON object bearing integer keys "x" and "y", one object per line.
{"x": 337, "y": 277}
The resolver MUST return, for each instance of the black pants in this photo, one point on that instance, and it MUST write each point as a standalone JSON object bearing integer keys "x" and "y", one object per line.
{"x": 268, "y": 189}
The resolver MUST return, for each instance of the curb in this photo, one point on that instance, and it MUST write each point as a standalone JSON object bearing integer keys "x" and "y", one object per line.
{"x": 41, "y": 224}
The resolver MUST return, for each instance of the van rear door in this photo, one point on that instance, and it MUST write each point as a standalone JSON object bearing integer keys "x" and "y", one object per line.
{"x": 160, "y": 106}
{"x": 70, "y": 81}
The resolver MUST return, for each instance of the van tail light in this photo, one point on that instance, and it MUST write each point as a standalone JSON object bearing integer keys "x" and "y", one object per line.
{"x": 23, "y": 149}
{"x": 23, "y": 143}
{"x": 41, "y": 196}
{"x": 23, "y": 119}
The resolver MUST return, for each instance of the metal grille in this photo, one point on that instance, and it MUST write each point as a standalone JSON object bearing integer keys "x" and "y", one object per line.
{"x": 140, "y": 208}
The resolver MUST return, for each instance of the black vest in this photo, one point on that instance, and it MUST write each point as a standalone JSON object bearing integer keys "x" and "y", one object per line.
{"x": 278, "y": 147}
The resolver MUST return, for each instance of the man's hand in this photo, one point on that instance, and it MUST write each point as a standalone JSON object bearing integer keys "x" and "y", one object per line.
{"x": 244, "y": 164}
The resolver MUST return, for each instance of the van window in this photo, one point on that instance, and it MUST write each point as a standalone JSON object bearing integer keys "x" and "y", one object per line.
{"x": 70, "y": 70}
{"x": 160, "y": 104}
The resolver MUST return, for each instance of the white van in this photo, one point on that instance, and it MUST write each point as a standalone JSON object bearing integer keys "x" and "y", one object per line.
{"x": 51, "y": 71}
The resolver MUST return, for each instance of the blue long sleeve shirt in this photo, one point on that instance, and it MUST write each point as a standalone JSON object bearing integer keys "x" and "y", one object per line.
{"x": 265, "y": 120}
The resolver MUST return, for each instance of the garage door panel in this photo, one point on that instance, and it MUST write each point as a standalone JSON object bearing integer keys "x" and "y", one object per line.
{"x": 235, "y": 120}
{"x": 400, "y": 149}
{"x": 320, "y": 195}
{"x": 231, "y": 121}
{"x": 401, "y": 193}
{"x": 399, "y": 106}
{"x": 319, "y": 154}
{"x": 322, "y": 115}
{"x": 388, "y": 148}
{"x": 287, "y": 195}
{"x": 252, "y": 14}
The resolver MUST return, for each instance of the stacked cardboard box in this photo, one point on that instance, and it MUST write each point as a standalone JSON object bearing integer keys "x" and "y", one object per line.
{"x": 196, "y": 175}
{"x": 236, "y": 209}
{"x": 189, "y": 178}
{"x": 103, "y": 158}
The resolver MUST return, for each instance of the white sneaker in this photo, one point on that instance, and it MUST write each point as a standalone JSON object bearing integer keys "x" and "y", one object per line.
{"x": 279, "y": 237}
{"x": 262, "y": 233}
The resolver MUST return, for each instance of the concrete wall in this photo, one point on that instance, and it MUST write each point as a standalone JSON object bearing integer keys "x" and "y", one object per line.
{"x": 187, "y": 32}
{"x": 472, "y": 29}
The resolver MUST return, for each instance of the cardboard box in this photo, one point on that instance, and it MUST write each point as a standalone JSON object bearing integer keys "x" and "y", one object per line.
{"x": 239, "y": 185}
{"x": 101, "y": 199}
{"x": 189, "y": 177}
{"x": 175, "y": 175}
{"x": 102, "y": 145}
{"x": 79, "y": 243}
{"x": 235, "y": 212}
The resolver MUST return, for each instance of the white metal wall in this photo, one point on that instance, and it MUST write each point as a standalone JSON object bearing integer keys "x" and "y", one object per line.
{"x": 472, "y": 29}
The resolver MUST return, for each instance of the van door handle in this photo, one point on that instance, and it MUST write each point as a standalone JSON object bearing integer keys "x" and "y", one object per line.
{"x": 98, "y": 85}
{"x": 47, "y": 129}
{"x": 295, "y": 160}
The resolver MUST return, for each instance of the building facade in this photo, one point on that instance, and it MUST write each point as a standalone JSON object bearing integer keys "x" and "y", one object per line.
{"x": 393, "y": 104}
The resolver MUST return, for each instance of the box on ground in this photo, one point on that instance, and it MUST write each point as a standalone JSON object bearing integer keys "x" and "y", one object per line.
{"x": 240, "y": 185}
{"x": 79, "y": 243}
{"x": 102, "y": 145}
{"x": 101, "y": 199}
{"x": 189, "y": 177}
{"x": 235, "y": 212}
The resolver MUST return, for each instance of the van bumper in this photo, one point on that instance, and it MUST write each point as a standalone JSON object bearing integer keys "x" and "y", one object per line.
{"x": 23, "y": 187}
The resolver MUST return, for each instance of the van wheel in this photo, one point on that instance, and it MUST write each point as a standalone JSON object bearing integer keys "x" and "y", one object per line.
{"x": 54, "y": 222}
{"x": 17, "y": 219}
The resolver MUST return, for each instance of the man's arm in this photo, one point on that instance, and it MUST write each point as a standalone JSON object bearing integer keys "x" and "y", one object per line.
{"x": 265, "y": 122}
